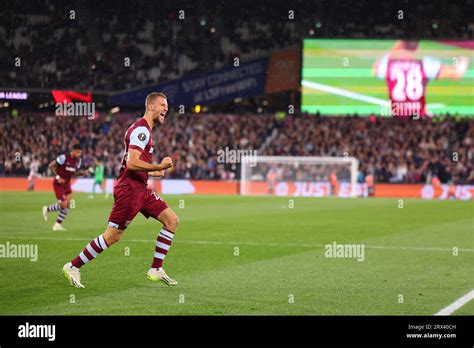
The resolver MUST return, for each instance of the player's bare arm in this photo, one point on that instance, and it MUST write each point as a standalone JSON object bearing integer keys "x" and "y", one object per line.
{"x": 135, "y": 163}
{"x": 53, "y": 166}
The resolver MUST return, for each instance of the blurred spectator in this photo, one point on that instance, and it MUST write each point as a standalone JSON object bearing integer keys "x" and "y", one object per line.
{"x": 110, "y": 46}
{"x": 391, "y": 150}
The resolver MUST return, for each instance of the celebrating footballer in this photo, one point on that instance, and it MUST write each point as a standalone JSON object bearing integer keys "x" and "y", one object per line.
{"x": 131, "y": 196}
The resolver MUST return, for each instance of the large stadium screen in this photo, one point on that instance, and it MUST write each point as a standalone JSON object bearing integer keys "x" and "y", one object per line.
{"x": 387, "y": 77}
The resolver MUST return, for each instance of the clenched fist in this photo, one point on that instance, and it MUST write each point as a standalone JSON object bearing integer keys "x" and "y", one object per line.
{"x": 166, "y": 163}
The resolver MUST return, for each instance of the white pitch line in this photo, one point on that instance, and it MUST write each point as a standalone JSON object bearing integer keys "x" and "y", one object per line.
{"x": 345, "y": 93}
{"x": 206, "y": 242}
{"x": 358, "y": 96}
{"x": 457, "y": 304}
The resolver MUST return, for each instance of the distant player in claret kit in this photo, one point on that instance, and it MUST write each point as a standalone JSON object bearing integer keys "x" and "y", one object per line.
{"x": 98, "y": 172}
{"x": 132, "y": 196}
{"x": 407, "y": 77}
{"x": 64, "y": 167}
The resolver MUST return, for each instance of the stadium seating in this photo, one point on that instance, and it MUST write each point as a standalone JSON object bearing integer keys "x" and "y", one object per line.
{"x": 97, "y": 48}
{"x": 394, "y": 151}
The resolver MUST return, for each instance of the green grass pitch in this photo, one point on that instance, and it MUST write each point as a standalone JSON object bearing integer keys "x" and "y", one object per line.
{"x": 281, "y": 268}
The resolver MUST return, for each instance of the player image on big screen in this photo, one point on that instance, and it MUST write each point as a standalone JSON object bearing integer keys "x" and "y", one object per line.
{"x": 387, "y": 77}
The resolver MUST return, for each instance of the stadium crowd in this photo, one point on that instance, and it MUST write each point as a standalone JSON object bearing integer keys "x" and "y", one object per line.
{"x": 394, "y": 151}
{"x": 411, "y": 151}
{"x": 189, "y": 141}
{"x": 63, "y": 46}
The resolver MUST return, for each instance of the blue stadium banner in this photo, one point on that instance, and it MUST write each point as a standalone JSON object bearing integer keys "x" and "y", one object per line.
{"x": 215, "y": 87}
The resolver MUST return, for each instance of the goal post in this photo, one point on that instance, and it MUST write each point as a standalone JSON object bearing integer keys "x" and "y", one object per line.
{"x": 299, "y": 176}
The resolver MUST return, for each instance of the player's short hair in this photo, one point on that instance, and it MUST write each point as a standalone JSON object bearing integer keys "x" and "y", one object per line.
{"x": 77, "y": 147}
{"x": 152, "y": 96}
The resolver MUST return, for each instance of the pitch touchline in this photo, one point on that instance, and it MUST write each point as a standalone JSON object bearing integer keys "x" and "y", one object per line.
{"x": 457, "y": 304}
{"x": 356, "y": 96}
{"x": 244, "y": 243}
{"x": 345, "y": 93}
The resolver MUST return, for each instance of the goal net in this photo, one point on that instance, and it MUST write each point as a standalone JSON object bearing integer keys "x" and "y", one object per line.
{"x": 299, "y": 176}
